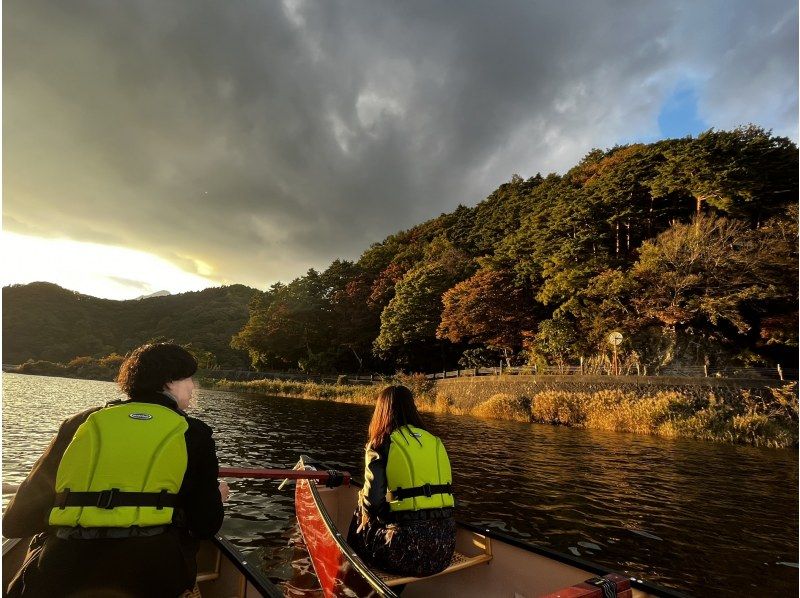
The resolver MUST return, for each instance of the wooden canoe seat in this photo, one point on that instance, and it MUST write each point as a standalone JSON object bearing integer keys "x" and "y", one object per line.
{"x": 457, "y": 563}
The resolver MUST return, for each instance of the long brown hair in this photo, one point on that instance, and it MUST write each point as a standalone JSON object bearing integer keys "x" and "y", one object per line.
{"x": 394, "y": 408}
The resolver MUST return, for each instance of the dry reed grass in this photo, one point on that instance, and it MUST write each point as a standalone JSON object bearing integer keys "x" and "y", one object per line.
{"x": 345, "y": 393}
{"x": 761, "y": 417}
{"x": 505, "y": 406}
{"x": 765, "y": 418}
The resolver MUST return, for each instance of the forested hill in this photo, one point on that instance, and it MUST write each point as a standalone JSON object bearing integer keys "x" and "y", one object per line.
{"x": 43, "y": 321}
{"x": 687, "y": 246}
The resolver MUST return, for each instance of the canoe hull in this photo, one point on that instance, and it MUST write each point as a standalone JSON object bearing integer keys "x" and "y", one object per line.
{"x": 222, "y": 571}
{"x": 514, "y": 568}
{"x": 338, "y": 573}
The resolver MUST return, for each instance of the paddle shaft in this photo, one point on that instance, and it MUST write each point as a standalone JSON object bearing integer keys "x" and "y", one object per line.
{"x": 242, "y": 472}
{"x": 280, "y": 474}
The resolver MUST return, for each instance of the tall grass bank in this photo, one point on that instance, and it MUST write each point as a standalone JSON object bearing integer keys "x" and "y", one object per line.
{"x": 344, "y": 393}
{"x": 759, "y": 414}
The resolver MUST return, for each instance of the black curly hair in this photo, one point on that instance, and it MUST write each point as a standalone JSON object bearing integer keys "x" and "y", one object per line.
{"x": 150, "y": 367}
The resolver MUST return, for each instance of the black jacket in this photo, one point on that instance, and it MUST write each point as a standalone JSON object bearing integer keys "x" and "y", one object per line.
{"x": 145, "y": 566}
{"x": 372, "y": 497}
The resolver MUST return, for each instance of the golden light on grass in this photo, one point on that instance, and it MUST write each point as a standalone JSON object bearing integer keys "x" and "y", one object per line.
{"x": 764, "y": 416}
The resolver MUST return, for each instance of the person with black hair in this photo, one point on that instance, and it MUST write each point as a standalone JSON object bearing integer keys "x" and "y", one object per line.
{"x": 122, "y": 495}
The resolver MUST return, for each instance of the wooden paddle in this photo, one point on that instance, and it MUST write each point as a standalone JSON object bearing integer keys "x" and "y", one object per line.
{"x": 285, "y": 474}
{"x": 258, "y": 474}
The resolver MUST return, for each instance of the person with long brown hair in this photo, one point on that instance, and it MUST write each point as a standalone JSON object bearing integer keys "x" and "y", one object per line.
{"x": 404, "y": 520}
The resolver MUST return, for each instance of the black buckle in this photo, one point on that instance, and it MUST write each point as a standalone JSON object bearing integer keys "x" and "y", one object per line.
{"x": 159, "y": 501}
{"x": 426, "y": 489}
{"x": 335, "y": 478}
{"x": 106, "y": 498}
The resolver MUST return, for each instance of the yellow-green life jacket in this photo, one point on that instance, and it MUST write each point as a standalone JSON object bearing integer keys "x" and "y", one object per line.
{"x": 127, "y": 454}
{"x": 418, "y": 471}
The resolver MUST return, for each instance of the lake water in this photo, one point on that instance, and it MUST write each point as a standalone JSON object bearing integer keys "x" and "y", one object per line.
{"x": 707, "y": 519}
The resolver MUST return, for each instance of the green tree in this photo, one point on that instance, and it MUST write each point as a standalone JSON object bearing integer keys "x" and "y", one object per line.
{"x": 410, "y": 319}
{"x": 290, "y": 324}
{"x": 746, "y": 171}
{"x": 357, "y": 322}
{"x": 556, "y": 339}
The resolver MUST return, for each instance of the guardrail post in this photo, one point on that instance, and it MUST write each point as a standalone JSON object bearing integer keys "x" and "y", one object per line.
{"x": 780, "y": 372}
{"x": 705, "y": 370}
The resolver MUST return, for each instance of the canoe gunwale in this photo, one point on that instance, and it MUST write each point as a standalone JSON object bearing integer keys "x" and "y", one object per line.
{"x": 366, "y": 572}
{"x": 362, "y": 568}
{"x": 575, "y": 561}
{"x": 255, "y": 576}
{"x": 227, "y": 550}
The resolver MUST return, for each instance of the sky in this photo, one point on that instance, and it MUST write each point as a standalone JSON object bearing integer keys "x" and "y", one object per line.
{"x": 157, "y": 145}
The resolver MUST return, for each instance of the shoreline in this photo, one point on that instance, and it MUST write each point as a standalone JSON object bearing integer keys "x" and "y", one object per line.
{"x": 765, "y": 416}
{"x": 761, "y": 417}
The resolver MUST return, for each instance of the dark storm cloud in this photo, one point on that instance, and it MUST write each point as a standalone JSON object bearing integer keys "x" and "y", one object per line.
{"x": 265, "y": 137}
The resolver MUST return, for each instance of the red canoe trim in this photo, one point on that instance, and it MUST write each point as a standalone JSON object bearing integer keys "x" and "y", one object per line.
{"x": 340, "y": 572}
{"x": 325, "y": 553}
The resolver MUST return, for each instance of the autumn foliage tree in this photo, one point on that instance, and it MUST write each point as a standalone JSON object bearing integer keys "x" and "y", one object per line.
{"x": 688, "y": 246}
{"x": 487, "y": 309}
{"x": 709, "y": 279}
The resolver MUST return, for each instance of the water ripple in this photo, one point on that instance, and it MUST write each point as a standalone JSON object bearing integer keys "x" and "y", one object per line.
{"x": 705, "y": 518}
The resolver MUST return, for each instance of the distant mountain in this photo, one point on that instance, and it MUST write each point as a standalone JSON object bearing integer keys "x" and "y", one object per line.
{"x": 156, "y": 294}
{"x": 44, "y": 321}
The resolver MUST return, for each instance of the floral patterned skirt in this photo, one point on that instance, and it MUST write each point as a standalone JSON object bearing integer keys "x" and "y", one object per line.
{"x": 414, "y": 548}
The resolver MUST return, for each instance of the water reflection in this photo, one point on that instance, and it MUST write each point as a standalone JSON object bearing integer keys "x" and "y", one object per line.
{"x": 705, "y": 518}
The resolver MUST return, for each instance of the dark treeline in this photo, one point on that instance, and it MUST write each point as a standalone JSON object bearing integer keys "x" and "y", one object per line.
{"x": 687, "y": 246}
{"x": 42, "y": 321}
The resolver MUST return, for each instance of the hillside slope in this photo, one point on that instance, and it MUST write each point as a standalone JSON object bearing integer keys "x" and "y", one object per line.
{"x": 44, "y": 321}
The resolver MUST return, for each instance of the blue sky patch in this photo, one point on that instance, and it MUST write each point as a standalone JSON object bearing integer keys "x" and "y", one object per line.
{"x": 678, "y": 116}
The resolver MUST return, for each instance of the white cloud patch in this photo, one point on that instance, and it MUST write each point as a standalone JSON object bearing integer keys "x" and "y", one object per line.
{"x": 372, "y": 108}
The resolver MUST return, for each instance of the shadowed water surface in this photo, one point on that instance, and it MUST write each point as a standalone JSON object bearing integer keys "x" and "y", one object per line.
{"x": 705, "y": 518}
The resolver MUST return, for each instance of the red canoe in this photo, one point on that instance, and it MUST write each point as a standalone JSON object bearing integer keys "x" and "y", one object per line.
{"x": 486, "y": 563}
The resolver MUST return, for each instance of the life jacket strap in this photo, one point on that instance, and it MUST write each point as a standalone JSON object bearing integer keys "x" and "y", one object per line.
{"x": 110, "y": 499}
{"x": 427, "y": 490}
